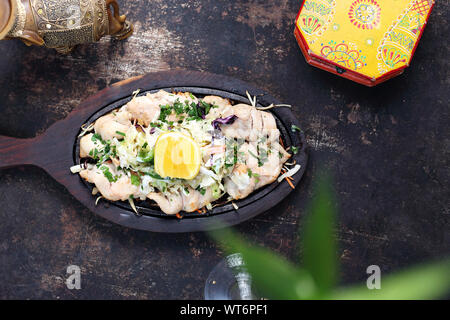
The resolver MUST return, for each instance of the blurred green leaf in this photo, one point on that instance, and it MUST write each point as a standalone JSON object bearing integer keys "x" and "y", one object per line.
{"x": 277, "y": 278}
{"x": 421, "y": 282}
{"x": 319, "y": 243}
{"x": 273, "y": 275}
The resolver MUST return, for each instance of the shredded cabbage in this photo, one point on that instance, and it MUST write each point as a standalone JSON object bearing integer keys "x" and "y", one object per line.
{"x": 134, "y": 153}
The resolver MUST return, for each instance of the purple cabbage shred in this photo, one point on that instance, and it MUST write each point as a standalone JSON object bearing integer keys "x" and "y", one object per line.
{"x": 228, "y": 120}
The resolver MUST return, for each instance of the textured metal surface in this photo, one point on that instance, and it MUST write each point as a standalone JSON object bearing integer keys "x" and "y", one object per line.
{"x": 65, "y": 23}
{"x": 19, "y": 14}
{"x": 387, "y": 146}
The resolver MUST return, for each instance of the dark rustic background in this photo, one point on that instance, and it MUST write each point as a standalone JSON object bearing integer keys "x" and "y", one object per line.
{"x": 387, "y": 146}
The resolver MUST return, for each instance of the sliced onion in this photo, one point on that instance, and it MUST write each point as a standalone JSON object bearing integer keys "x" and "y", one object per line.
{"x": 76, "y": 169}
{"x": 209, "y": 173}
{"x": 274, "y": 106}
{"x": 252, "y": 101}
{"x": 86, "y": 130}
{"x": 131, "y": 201}
{"x": 136, "y": 92}
{"x": 97, "y": 200}
{"x": 266, "y": 108}
{"x": 289, "y": 173}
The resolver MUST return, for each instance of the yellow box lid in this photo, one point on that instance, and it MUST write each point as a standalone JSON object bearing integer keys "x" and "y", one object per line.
{"x": 367, "y": 37}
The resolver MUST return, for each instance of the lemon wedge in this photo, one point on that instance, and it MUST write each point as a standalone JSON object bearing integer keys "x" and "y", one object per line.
{"x": 177, "y": 156}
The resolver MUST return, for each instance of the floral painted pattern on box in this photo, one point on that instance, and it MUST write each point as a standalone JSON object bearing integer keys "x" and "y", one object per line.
{"x": 368, "y": 38}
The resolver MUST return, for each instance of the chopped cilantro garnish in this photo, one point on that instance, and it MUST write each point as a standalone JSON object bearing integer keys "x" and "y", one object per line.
{"x": 135, "y": 180}
{"x": 206, "y": 106}
{"x": 263, "y": 139}
{"x": 294, "y": 149}
{"x": 263, "y": 158}
{"x": 193, "y": 112}
{"x": 154, "y": 175}
{"x": 253, "y": 155}
{"x": 146, "y": 156}
{"x": 166, "y": 110}
{"x": 96, "y": 137}
{"x": 94, "y": 154}
{"x": 216, "y": 191}
{"x": 108, "y": 174}
{"x": 295, "y": 128}
{"x": 178, "y": 107}
{"x": 107, "y": 148}
{"x": 253, "y": 175}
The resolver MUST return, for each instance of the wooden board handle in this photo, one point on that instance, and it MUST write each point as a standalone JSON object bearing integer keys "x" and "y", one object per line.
{"x": 16, "y": 152}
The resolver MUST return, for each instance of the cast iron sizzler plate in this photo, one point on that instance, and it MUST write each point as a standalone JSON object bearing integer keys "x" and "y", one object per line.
{"x": 58, "y": 149}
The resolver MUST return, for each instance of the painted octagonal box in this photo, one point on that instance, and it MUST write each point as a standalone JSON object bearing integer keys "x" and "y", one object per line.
{"x": 367, "y": 41}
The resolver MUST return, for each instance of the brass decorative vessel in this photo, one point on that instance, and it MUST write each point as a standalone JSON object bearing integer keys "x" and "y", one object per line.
{"x": 62, "y": 24}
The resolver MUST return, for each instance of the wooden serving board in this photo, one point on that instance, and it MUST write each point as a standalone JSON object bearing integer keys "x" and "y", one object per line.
{"x": 57, "y": 150}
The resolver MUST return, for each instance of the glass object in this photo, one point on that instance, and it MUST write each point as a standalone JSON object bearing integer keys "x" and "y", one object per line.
{"x": 229, "y": 280}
